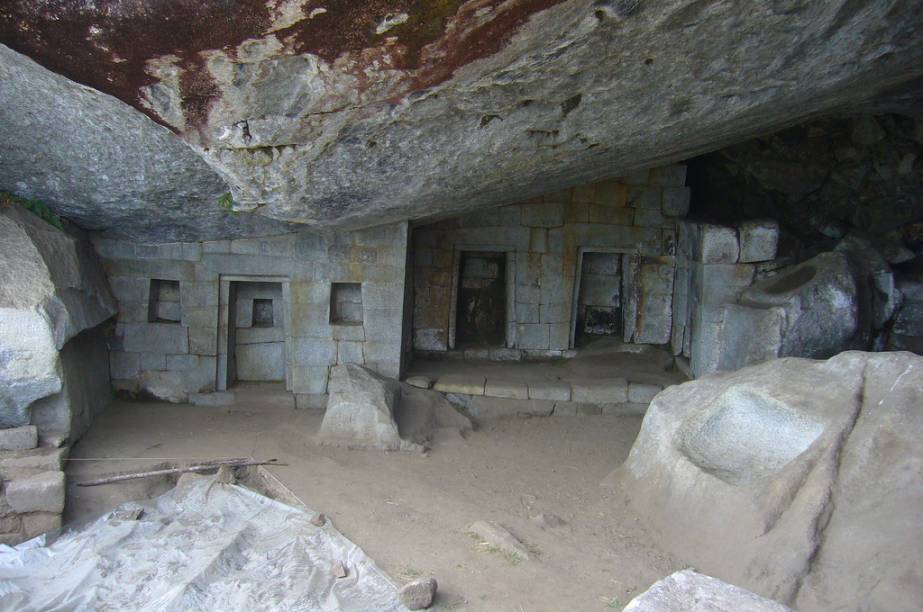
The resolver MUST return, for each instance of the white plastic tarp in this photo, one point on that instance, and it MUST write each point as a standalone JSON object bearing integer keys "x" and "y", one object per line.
{"x": 201, "y": 546}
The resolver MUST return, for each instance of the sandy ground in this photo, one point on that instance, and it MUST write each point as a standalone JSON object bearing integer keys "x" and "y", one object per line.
{"x": 409, "y": 512}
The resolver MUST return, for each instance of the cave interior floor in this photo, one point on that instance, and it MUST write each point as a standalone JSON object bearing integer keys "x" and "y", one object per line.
{"x": 410, "y": 511}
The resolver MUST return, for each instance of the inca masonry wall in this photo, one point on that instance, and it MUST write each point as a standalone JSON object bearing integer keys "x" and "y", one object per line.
{"x": 635, "y": 215}
{"x": 173, "y": 360}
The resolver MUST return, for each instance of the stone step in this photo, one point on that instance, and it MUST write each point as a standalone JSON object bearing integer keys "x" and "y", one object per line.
{"x": 600, "y": 392}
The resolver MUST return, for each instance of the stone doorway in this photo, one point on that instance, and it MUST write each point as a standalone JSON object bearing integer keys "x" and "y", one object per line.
{"x": 481, "y": 300}
{"x": 600, "y": 296}
{"x": 253, "y": 335}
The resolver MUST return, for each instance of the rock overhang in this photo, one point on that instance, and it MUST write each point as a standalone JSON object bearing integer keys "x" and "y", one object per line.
{"x": 351, "y": 114}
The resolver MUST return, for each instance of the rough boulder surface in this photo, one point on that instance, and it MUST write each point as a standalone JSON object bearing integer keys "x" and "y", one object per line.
{"x": 796, "y": 479}
{"x": 419, "y": 594}
{"x": 690, "y": 591}
{"x": 438, "y": 106}
{"x": 51, "y": 289}
{"x": 368, "y": 411}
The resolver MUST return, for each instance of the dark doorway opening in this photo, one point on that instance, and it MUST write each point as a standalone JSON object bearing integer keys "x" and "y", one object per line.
{"x": 599, "y": 303}
{"x": 481, "y": 308}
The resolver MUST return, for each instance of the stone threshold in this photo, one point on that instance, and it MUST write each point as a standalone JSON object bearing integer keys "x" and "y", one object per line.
{"x": 543, "y": 398}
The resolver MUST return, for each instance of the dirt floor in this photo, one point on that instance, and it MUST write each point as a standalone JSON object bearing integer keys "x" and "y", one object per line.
{"x": 409, "y": 512}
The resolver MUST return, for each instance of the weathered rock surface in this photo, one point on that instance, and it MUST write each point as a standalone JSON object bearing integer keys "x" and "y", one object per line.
{"x": 819, "y": 306}
{"x": 360, "y": 410}
{"x": 497, "y": 536}
{"x": 453, "y": 106}
{"x": 105, "y": 166}
{"x": 690, "y": 591}
{"x": 368, "y": 411}
{"x": 419, "y": 594}
{"x": 796, "y": 479}
{"x": 51, "y": 289}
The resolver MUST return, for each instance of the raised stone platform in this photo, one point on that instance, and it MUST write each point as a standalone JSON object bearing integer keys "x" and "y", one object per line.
{"x": 609, "y": 378}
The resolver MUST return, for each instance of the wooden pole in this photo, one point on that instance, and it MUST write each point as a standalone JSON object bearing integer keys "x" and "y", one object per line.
{"x": 201, "y": 467}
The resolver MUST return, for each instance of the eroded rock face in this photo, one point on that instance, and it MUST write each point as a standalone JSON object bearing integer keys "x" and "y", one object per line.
{"x": 105, "y": 166}
{"x": 51, "y": 289}
{"x": 796, "y": 479}
{"x": 355, "y": 113}
{"x": 368, "y": 411}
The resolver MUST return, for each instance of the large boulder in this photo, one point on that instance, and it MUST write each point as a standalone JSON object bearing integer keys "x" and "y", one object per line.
{"x": 365, "y": 112}
{"x": 371, "y": 412}
{"x": 51, "y": 289}
{"x": 796, "y": 479}
{"x": 690, "y": 591}
{"x": 819, "y": 304}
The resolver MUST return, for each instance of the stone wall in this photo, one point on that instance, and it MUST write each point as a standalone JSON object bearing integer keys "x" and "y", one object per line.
{"x": 54, "y": 301}
{"x": 543, "y": 240}
{"x": 175, "y": 360}
{"x": 714, "y": 264}
{"x": 736, "y": 304}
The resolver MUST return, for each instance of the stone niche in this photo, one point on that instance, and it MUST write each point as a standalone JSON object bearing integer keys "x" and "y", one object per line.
{"x": 543, "y": 265}
{"x": 54, "y": 377}
{"x": 283, "y": 308}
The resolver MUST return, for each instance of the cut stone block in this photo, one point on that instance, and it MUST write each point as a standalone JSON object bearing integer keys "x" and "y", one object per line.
{"x": 460, "y": 383}
{"x": 18, "y": 438}
{"x": 759, "y": 240}
{"x": 549, "y": 391}
{"x": 626, "y": 409}
{"x": 16, "y": 464}
{"x": 483, "y": 408}
{"x": 37, "y": 523}
{"x": 585, "y": 409}
{"x": 688, "y": 590}
{"x": 507, "y": 389}
{"x": 719, "y": 244}
{"x": 42, "y": 492}
{"x": 675, "y": 201}
{"x": 611, "y": 391}
{"x": 641, "y": 393}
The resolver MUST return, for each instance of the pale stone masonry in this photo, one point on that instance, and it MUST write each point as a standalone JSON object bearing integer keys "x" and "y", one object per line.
{"x": 173, "y": 360}
{"x": 544, "y": 239}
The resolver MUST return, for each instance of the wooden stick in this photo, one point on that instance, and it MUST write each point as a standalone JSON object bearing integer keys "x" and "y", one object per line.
{"x": 202, "y": 467}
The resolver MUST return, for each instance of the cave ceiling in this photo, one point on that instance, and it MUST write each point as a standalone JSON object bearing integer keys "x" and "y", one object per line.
{"x": 180, "y": 120}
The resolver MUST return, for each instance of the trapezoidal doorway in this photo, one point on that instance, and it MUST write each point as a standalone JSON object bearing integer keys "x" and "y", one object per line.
{"x": 481, "y": 308}
{"x": 253, "y": 325}
{"x": 599, "y": 296}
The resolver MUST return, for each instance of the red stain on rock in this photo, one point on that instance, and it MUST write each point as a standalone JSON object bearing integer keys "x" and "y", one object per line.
{"x": 108, "y": 43}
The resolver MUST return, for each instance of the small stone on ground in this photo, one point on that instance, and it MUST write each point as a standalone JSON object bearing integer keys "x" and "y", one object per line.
{"x": 419, "y": 594}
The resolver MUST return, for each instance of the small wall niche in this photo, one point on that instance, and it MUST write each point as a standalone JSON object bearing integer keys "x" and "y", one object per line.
{"x": 346, "y": 304}
{"x": 262, "y": 313}
{"x": 164, "y": 303}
